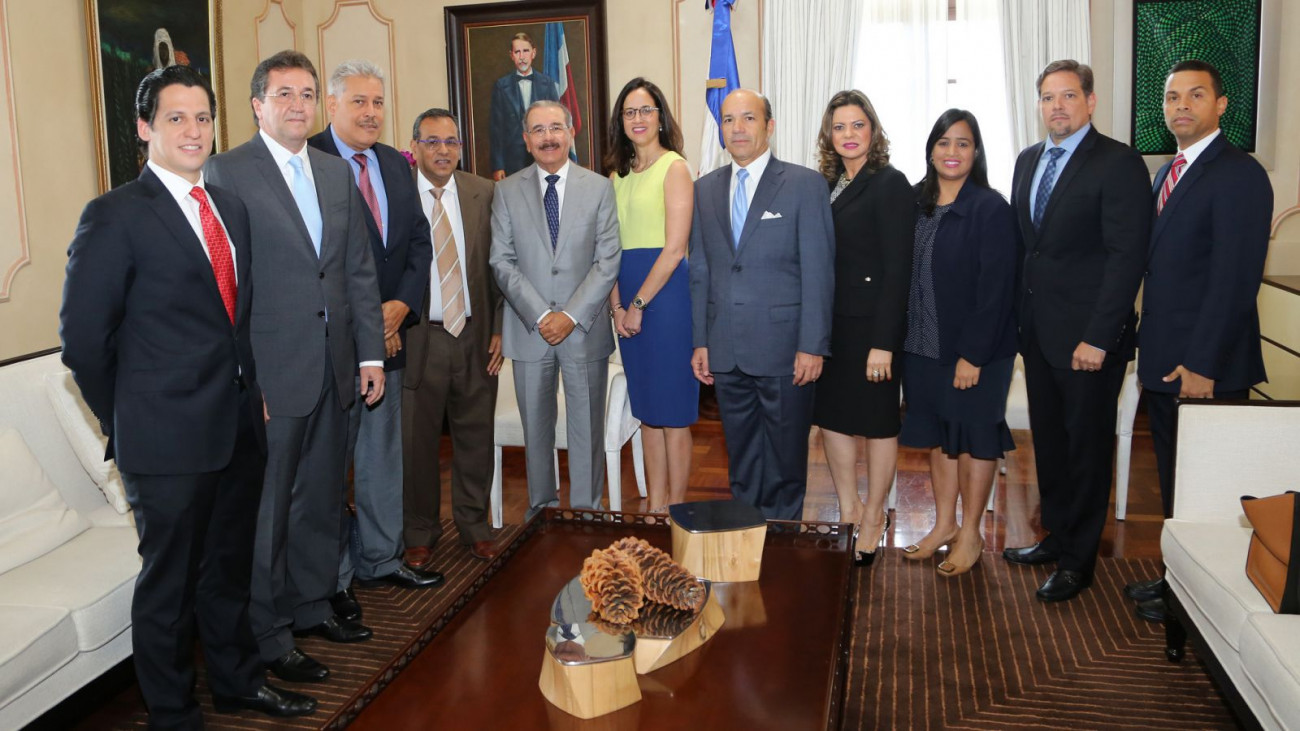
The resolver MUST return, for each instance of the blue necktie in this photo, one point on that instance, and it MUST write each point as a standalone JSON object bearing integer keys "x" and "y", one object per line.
{"x": 551, "y": 202}
{"x": 1045, "y": 184}
{"x": 739, "y": 207}
{"x": 305, "y": 196}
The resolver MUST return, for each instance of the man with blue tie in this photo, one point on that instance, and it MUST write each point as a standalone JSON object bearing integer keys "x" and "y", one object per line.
{"x": 316, "y": 323}
{"x": 399, "y": 242}
{"x": 1080, "y": 200}
{"x": 1200, "y": 327}
{"x": 761, "y": 295}
{"x": 512, "y": 95}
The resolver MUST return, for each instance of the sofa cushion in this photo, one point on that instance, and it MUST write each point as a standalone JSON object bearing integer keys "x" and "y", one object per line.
{"x": 36, "y": 642}
{"x": 1208, "y": 560}
{"x": 1270, "y": 657}
{"x": 34, "y": 520}
{"x": 92, "y": 576}
{"x": 82, "y": 430}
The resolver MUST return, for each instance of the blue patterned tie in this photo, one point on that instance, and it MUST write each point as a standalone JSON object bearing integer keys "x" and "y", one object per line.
{"x": 305, "y": 196}
{"x": 551, "y": 202}
{"x": 739, "y": 207}
{"x": 1045, "y": 185}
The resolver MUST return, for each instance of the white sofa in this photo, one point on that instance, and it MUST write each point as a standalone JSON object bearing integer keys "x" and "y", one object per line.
{"x": 1225, "y": 451}
{"x": 68, "y": 557}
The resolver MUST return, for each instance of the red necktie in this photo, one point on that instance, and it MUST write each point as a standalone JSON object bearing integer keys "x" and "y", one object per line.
{"x": 368, "y": 192}
{"x": 223, "y": 265}
{"x": 1171, "y": 180}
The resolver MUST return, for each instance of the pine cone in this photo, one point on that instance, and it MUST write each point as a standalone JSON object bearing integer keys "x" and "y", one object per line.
{"x": 612, "y": 581}
{"x": 610, "y": 628}
{"x": 661, "y": 620}
{"x": 666, "y": 581}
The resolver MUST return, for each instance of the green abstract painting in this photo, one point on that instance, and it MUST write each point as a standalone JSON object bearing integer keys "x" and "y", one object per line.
{"x": 1222, "y": 32}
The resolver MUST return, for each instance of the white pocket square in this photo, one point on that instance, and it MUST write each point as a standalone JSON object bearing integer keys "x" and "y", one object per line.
{"x": 768, "y": 215}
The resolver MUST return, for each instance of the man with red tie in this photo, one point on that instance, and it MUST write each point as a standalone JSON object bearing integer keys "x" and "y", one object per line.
{"x": 1199, "y": 336}
{"x": 155, "y": 328}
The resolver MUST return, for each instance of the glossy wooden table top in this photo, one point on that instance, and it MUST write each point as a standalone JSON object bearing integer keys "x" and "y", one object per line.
{"x": 775, "y": 663}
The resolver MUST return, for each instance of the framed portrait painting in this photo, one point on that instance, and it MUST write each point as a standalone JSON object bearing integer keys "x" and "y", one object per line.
{"x": 127, "y": 40}
{"x": 502, "y": 56}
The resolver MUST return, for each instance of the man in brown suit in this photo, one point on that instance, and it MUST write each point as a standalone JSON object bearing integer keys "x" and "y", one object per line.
{"x": 454, "y": 353}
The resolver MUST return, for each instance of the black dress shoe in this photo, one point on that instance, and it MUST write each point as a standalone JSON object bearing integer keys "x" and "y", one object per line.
{"x": 346, "y": 606}
{"x": 1030, "y": 555}
{"x": 270, "y": 700}
{"x": 1063, "y": 584}
{"x": 297, "y": 666}
{"x": 1145, "y": 591}
{"x": 407, "y": 577}
{"x": 1153, "y": 610}
{"x": 336, "y": 629}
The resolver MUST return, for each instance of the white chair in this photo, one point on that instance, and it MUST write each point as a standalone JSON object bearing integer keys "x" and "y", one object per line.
{"x": 620, "y": 427}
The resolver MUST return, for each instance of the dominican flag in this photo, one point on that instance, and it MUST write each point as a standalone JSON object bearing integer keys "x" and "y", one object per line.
{"x": 556, "y": 65}
{"x": 723, "y": 79}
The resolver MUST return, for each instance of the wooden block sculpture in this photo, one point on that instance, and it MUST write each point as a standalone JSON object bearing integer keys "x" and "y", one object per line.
{"x": 719, "y": 540}
{"x": 587, "y": 672}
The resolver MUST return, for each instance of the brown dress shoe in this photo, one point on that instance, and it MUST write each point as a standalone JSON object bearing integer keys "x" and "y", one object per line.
{"x": 418, "y": 556}
{"x": 484, "y": 550}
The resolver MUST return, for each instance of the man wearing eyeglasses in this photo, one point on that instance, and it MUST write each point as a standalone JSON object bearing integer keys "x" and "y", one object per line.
{"x": 399, "y": 242}
{"x": 555, "y": 253}
{"x": 316, "y": 322}
{"x": 512, "y": 95}
{"x": 453, "y": 352}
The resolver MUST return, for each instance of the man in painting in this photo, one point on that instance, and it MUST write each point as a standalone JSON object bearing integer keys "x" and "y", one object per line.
{"x": 511, "y": 96}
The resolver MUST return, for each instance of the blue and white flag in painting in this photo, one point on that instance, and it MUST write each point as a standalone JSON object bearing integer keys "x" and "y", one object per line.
{"x": 723, "y": 79}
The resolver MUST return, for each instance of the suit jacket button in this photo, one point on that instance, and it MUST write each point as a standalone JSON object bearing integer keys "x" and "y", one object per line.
{"x": 1035, "y": 253}
{"x": 737, "y": 268}
{"x": 322, "y": 275}
{"x": 1147, "y": 273}
{"x": 555, "y": 271}
{"x": 321, "y": 314}
{"x": 866, "y": 279}
{"x": 1029, "y": 291}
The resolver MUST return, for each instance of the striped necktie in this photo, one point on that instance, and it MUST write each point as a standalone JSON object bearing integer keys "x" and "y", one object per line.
{"x": 1175, "y": 171}
{"x": 448, "y": 261}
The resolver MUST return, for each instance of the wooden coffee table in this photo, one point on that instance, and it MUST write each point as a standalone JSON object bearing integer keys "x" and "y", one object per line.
{"x": 777, "y": 662}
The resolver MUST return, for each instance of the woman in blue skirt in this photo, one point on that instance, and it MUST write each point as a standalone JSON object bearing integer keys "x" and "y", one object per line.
{"x": 961, "y": 336}
{"x": 651, "y": 304}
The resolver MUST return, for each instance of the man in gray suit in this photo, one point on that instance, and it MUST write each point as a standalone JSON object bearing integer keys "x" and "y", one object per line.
{"x": 555, "y": 253}
{"x": 315, "y": 317}
{"x": 762, "y": 281}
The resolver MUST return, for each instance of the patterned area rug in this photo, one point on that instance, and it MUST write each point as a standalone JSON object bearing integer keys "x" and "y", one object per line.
{"x": 980, "y": 652}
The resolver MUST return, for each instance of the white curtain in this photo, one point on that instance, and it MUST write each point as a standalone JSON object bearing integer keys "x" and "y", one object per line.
{"x": 975, "y": 64}
{"x": 808, "y": 50}
{"x": 902, "y": 67}
{"x": 1035, "y": 34}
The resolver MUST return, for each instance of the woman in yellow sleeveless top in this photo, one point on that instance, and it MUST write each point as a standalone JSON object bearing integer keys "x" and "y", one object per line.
{"x": 651, "y": 304}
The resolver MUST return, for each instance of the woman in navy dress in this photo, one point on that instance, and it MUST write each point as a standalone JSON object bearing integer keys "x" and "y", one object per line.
{"x": 961, "y": 337}
{"x": 651, "y": 303}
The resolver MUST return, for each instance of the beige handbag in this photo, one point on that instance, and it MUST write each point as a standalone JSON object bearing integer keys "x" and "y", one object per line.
{"x": 1270, "y": 563}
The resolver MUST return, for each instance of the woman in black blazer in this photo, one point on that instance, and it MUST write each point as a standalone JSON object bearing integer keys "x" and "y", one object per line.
{"x": 961, "y": 339}
{"x": 857, "y": 396}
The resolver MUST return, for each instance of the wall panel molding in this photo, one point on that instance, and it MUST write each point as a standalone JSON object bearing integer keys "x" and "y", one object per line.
{"x": 356, "y": 29}
{"x": 273, "y": 30}
{"x": 14, "y": 252}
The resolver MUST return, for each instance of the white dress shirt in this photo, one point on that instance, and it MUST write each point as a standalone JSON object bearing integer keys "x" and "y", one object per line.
{"x": 755, "y": 168}
{"x": 525, "y": 83}
{"x": 1195, "y": 150}
{"x": 563, "y": 172}
{"x": 180, "y": 188}
{"x": 451, "y": 204}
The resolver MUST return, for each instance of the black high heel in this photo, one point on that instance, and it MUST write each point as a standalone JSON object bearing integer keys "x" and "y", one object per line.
{"x": 865, "y": 558}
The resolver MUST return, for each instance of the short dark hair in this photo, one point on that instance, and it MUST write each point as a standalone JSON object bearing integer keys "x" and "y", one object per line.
{"x": 434, "y": 113}
{"x": 979, "y": 171}
{"x": 621, "y": 151}
{"x": 1196, "y": 64}
{"x": 151, "y": 86}
{"x": 279, "y": 62}
{"x": 1082, "y": 70}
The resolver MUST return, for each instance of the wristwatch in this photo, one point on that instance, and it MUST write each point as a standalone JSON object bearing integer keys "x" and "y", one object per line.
{"x": 639, "y": 303}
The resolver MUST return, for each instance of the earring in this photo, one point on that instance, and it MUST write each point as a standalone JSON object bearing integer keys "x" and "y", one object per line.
{"x": 661, "y": 128}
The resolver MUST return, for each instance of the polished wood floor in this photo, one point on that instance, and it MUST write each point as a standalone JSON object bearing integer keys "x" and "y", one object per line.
{"x": 1012, "y": 522}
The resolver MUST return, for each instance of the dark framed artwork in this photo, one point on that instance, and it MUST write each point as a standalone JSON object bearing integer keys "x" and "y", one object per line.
{"x": 127, "y": 40}
{"x": 1225, "y": 33}
{"x": 569, "y": 40}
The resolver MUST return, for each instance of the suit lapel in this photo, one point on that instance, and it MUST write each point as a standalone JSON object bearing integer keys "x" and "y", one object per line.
{"x": 722, "y": 205}
{"x": 768, "y": 186}
{"x": 182, "y": 234}
{"x": 853, "y": 191}
{"x": 275, "y": 181}
{"x": 243, "y": 261}
{"x": 1024, "y": 204}
{"x": 1193, "y": 173}
{"x": 1077, "y": 160}
{"x": 322, "y": 178}
{"x": 533, "y": 199}
{"x": 574, "y": 188}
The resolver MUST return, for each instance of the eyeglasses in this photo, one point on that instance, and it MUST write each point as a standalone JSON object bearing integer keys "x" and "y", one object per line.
{"x": 555, "y": 129}
{"x": 433, "y": 142}
{"x": 633, "y": 112}
{"x": 287, "y": 96}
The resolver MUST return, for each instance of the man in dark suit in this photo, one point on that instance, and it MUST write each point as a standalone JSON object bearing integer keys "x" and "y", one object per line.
{"x": 512, "y": 94}
{"x": 399, "y": 243}
{"x": 455, "y": 350}
{"x": 316, "y": 321}
{"x": 155, "y": 330}
{"x": 1200, "y": 327}
{"x": 762, "y": 284}
{"x": 1080, "y": 201}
